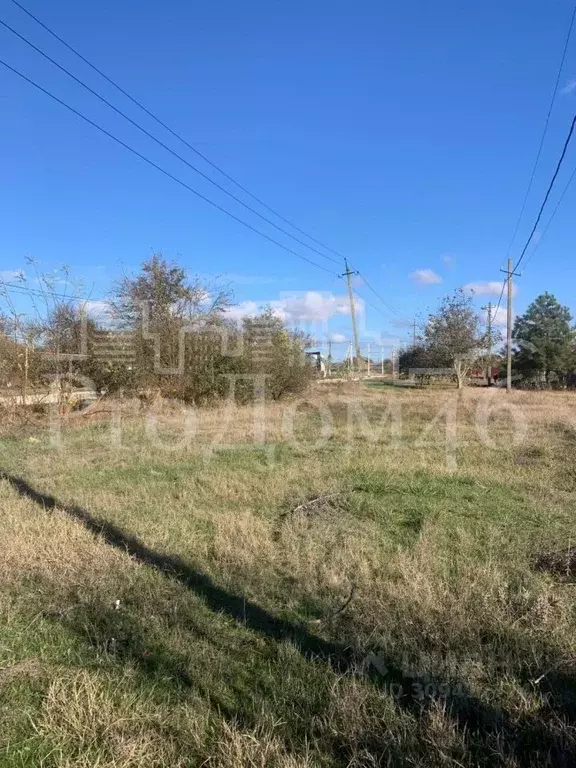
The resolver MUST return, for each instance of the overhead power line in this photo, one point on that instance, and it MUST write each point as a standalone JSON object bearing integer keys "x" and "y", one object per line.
{"x": 548, "y": 191}
{"x": 388, "y": 306}
{"x": 542, "y": 207}
{"x": 551, "y": 219}
{"x": 180, "y": 138}
{"x": 370, "y": 304}
{"x": 162, "y": 144}
{"x": 47, "y": 293}
{"x": 535, "y": 166}
{"x": 545, "y": 131}
{"x": 163, "y": 170}
{"x": 175, "y": 133}
{"x": 175, "y": 154}
{"x": 500, "y": 299}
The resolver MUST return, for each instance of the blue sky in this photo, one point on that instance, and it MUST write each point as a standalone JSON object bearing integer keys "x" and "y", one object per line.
{"x": 401, "y": 134}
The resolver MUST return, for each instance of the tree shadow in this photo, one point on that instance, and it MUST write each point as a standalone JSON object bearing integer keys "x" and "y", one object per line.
{"x": 216, "y": 598}
{"x": 492, "y": 736}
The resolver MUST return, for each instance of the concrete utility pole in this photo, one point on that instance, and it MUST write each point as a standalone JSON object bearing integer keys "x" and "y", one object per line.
{"x": 369, "y": 361}
{"x": 488, "y": 310}
{"x": 394, "y": 360}
{"x": 348, "y": 274}
{"x": 509, "y": 330}
{"x": 329, "y": 360}
{"x": 382, "y": 358}
{"x": 509, "y": 272}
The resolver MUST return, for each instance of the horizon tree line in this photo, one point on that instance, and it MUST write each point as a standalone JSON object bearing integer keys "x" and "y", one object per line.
{"x": 171, "y": 335}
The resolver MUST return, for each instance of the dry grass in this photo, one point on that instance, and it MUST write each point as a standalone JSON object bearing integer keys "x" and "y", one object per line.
{"x": 216, "y": 638}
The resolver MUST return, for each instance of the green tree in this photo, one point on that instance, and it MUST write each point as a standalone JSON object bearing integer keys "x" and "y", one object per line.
{"x": 414, "y": 357}
{"x": 453, "y": 335}
{"x": 278, "y": 353}
{"x": 544, "y": 340}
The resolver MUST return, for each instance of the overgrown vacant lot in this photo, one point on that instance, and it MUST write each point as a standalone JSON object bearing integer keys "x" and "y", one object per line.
{"x": 354, "y": 596}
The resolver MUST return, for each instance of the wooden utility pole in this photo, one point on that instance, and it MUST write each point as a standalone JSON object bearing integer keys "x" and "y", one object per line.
{"x": 414, "y": 335}
{"x": 509, "y": 273}
{"x": 488, "y": 310}
{"x": 369, "y": 361}
{"x": 348, "y": 274}
{"x": 25, "y": 388}
{"x": 382, "y": 358}
{"x": 394, "y": 360}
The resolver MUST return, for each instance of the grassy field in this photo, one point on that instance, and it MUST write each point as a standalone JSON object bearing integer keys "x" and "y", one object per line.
{"x": 348, "y": 594}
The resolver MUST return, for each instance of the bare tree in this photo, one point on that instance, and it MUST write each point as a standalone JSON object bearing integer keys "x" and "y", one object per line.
{"x": 33, "y": 341}
{"x": 170, "y": 317}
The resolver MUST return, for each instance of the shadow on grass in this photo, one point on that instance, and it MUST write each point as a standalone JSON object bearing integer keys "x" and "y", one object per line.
{"x": 493, "y": 737}
{"x": 218, "y": 599}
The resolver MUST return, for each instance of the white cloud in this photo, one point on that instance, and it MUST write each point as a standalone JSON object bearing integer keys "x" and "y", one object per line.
{"x": 98, "y": 310}
{"x": 9, "y": 275}
{"x": 338, "y": 338}
{"x": 245, "y": 309}
{"x": 305, "y": 307}
{"x": 499, "y": 317}
{"x": 313, "y": 306}
{"x": 569, "y": 87}
{"x": 487, "y": 288}
{"x": 425, "y": 277}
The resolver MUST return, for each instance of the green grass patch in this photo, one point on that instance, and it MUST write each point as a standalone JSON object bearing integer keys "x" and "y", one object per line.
{"x": 340, "y": 605}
